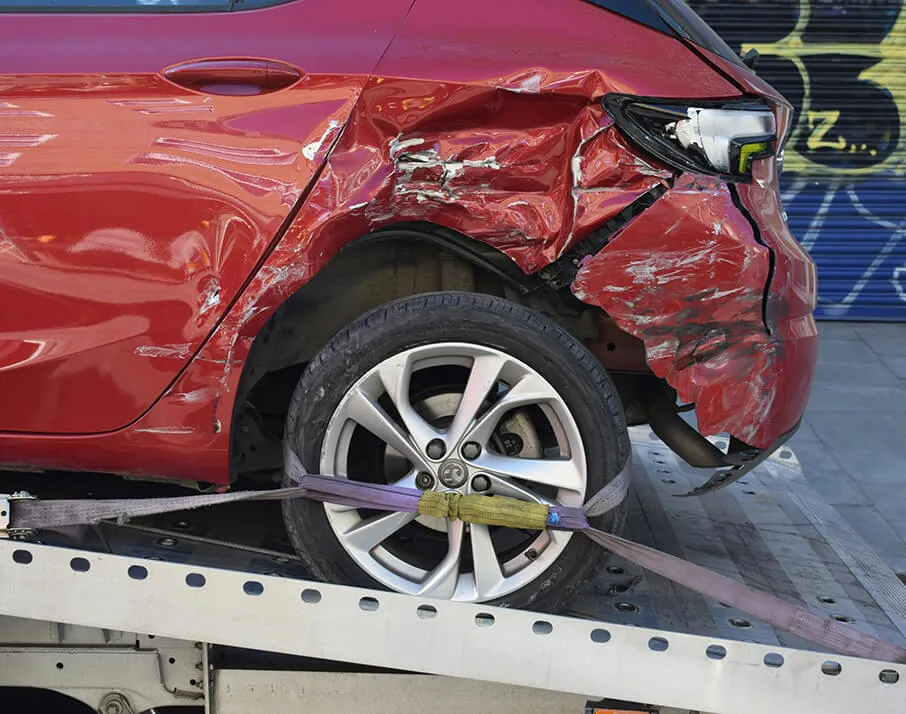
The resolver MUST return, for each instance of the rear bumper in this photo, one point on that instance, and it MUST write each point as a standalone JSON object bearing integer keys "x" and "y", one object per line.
{"x": 721, "y": 294}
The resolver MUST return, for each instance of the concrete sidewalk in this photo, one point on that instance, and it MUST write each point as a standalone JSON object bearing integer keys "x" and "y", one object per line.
{"x": 852, "y": 444}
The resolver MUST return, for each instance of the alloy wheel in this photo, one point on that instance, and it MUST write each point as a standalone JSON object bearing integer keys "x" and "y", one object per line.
{"x": 453, "y": 417}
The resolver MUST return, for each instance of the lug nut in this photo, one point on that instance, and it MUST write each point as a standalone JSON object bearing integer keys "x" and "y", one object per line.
{"x": 424, "y": 480}
{"x": 471, "y": 450}
{"x": 481, "y": 483}
{"x": 436, "y": 449}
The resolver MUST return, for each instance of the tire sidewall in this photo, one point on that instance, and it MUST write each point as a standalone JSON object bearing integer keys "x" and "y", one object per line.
{"x": 492, "y": 322}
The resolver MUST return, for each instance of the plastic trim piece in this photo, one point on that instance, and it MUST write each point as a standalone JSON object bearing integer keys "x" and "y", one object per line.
{"x": 481, "y": 255}
{"x": 563, "y": 271}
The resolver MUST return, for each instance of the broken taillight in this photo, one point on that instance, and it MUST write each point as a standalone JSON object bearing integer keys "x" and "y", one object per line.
{"x": 722, "y": 139}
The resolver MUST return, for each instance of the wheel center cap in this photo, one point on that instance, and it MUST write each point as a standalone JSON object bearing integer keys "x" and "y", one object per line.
{"x": 452, "y": 473}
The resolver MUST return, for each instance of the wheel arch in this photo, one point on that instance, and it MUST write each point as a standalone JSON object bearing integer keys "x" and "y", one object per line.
{"x": 374, "y": 269}
{"x": 398, "y": 261}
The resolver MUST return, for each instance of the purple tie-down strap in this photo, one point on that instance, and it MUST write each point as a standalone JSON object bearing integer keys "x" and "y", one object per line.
{"x": 769, "y": 608}
{"x": 776, "y": 612}
{"x": 40, "y": 515}
{"x": 566, "y": 518}
{"x": 358, "y": 494}
{"x": 605, "y": 500}
{"x": 31, "y": 514}
{"x": 344, "y": 492}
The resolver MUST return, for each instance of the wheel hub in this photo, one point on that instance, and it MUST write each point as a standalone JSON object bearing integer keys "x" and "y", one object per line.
{"x": 453, "y": 473}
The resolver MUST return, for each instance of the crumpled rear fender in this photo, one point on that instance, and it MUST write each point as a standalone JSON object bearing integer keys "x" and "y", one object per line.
{"x": 527, "y": 174}
{"x": 691, "y": 277}
{"x": 484, "y": 118}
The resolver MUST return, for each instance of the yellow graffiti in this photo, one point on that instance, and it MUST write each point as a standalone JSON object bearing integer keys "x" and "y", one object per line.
{"x": 888, "y": 74}
{"x": 821, "y": 124}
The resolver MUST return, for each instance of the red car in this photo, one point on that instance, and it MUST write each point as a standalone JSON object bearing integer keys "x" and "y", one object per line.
{"x": 450, "y": 245}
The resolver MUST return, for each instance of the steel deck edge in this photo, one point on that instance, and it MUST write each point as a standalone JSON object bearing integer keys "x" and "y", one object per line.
{"x": 436, "y": 637}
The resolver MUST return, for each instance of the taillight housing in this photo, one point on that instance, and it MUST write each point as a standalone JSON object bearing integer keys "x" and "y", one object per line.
{"x": 716, "y": 138}
{"x": 783, "y": 114}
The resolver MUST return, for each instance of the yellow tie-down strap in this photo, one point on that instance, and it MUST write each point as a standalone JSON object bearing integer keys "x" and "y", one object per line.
{"x": 491, "y": 511}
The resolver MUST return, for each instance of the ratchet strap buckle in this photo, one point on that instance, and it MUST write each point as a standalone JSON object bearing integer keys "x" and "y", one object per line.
{"x": 7, "y": 530}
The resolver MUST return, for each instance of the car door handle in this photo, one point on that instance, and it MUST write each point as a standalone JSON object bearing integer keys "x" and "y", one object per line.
{"x": 233, "y": 76}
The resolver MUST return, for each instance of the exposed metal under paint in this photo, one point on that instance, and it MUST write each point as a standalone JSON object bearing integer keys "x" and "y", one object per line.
{"x": 165, "y": 430}
{"x": 310, "y": 151}
{"x": 211, "y": 297}
{"x": 180, "y": 351}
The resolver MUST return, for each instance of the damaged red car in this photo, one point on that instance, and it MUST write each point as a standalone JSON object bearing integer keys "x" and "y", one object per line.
{"x": 452, "y": 246}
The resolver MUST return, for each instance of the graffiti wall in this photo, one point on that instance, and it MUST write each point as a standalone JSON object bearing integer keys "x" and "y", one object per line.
{"x": 843, "y": 65}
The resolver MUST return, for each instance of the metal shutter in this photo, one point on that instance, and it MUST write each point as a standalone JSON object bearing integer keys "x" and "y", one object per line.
{"x": 843, "y": 65}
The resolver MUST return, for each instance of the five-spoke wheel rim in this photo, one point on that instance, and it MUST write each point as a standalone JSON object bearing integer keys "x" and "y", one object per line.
{"x": 454, "y": 417}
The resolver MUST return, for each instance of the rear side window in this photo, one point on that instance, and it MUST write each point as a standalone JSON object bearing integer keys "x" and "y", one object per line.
{"x": 672, "y": 17}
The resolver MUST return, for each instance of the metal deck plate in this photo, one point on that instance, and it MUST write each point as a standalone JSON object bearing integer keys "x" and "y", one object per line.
{"x": 507, "y": 646}
{"x": 771, "y": 531}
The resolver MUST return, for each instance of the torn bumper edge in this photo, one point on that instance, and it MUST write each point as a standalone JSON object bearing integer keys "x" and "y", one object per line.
{"x": 737, "y": 467}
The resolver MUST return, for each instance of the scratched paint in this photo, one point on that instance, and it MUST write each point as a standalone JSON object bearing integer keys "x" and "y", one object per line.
{"x": 495, "y": 130}
{"x": 446, "y": 177}
{"x": 178, "y": 351}
{"x": 154, "y": 223}
{"x": 697, "y": 303}
{"x": 843, "y": 66}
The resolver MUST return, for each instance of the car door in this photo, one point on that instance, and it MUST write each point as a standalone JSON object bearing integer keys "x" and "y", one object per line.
{"x": 150, "y": 153}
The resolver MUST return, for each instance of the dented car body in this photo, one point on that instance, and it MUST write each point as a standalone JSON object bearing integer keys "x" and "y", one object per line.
{"x": 163, "y": 201}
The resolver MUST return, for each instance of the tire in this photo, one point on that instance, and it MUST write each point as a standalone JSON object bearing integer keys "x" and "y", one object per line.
{"x": 481, "y": 322}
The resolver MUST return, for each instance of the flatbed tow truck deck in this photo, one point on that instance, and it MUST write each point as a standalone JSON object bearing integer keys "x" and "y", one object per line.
{"x": 231, "y": 611}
